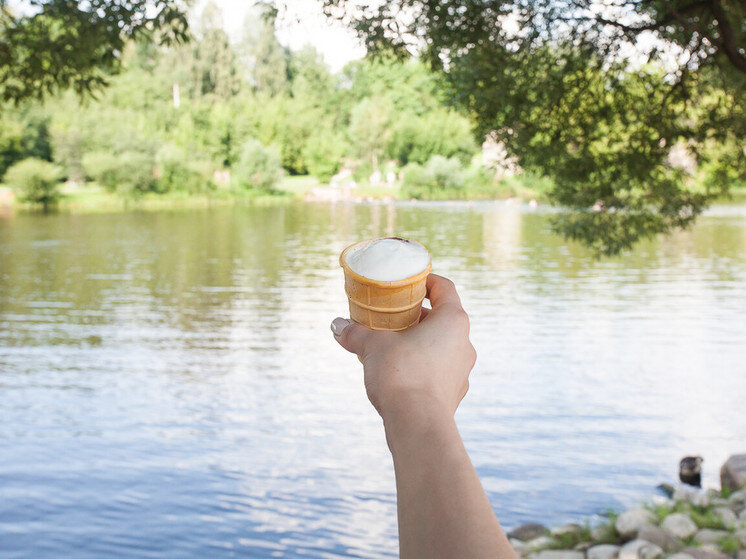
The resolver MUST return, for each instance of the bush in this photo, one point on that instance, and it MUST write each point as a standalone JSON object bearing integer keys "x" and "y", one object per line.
{"x": 129, "y": 173}
{"x": 258, "y": 166}
{"x": 35, "y": 181}
{"x": 438, "y": 175}
{"x": 176, "y": 170}
{"x": 444, "y": 177}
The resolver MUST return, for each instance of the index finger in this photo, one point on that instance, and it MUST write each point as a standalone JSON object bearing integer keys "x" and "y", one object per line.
{"x": 441, "y": 290}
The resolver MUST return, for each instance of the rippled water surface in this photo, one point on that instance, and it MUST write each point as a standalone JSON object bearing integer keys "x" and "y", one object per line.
{"x": 169, "y": 385}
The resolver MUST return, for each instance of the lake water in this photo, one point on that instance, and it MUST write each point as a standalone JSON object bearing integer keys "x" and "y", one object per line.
{"x": 169, "y": 385}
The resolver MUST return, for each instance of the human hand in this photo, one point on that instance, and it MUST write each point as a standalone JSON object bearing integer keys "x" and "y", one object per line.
{"x": 423, "y": 370}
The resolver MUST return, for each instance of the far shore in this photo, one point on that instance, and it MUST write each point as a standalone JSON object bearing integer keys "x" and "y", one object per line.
{"x": 91, "y": 198}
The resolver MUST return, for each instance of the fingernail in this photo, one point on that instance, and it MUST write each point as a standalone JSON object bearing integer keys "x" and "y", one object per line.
{"x": 339, "y": 324}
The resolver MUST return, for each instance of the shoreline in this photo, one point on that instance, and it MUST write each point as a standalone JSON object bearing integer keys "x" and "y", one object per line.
{"x": 686, "y": 523}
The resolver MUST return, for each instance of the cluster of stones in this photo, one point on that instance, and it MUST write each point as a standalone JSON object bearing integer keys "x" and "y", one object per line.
{"x": 668, "y": 530}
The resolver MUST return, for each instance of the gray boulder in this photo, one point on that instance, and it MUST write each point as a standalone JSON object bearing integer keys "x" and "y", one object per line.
{"x": 700, "y": 499}
{"x": 679, "y": 526}
{"x": 707, "y": 536}
{"x": 659, "y": 537}
{"x": 738, "y": 497}
{"x": 640, "y": 549}
{"x": 537, "y": 544}
{"x": 557, "y": 554}
{"x": 698, "y": 553}
{"x": 733, "y": 473}
{"x": 727, "y": 516}
{"x": 528, "y": 532}
{"x": 680, "y": 556}
{"x": 629, "y": 523}
{"x": 741, "y": 555}
{"x": 583, "y": 546}
{"x": 604, "y": 551}
{"x": 521, "y": 548}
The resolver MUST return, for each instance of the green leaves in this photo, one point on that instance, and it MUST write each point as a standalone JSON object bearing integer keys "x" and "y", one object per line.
{"x": 71, "y": 43}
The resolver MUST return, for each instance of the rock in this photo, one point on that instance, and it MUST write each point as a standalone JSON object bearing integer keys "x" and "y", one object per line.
{"x": 659, "y": 537}
{"x": 739, "y": 497}
{"x": 719, "y": 502}
{"x": 540, "y": 543}
{"x": 742, "y": 515}
{"x": 640, "y": 549}
{"x": 521, "y": 548}
{"x": 679, "y": 526}
{"x": 528, "y": 532}
{"x": 629, "y": 523}
{"x": 700, "y": 499}
{"x": 583, "y": 546}
{"x": 680, "y": 556}
{"x": 733, "y": 473}
{"x": 727, "y": 516}
{"x": 557, "y": 554}
{"x": 740, "y": 536}
{"x": 697, "y": 553}
{"x": 667, "y": 489}
{"x": 603, "y": 551}
{"x": 706, "y": 536}
{"x": 566, "y": 529}
{"x": 680, "y": 494}
{"x": 741, "y": 555}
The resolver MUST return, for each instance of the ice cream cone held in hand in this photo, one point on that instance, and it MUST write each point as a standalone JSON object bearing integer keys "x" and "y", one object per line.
{"x": 385, "y": 282}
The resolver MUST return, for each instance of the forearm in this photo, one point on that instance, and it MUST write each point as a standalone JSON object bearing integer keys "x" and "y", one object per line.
{"x": 443, "y": 509}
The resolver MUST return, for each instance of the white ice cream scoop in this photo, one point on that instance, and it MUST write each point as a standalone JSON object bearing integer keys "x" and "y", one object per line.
{"x": 390, "y": 259}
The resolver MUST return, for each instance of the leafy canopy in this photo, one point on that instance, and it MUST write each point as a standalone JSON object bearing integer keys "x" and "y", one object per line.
{"x": 594, "y": 94}
{"x": 54, "y": 44}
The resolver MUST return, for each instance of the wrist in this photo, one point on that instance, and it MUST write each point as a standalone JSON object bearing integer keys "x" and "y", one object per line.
{"x": 415, "y": 419}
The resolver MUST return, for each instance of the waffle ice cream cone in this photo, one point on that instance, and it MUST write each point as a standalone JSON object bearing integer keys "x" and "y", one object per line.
{"x": 383, "y": 305}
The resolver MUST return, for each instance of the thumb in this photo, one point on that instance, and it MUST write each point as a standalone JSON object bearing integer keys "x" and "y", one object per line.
{"x": 350, "y": 335}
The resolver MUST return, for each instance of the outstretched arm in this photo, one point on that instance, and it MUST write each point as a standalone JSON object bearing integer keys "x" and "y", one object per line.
{"x": 416, "y": 379}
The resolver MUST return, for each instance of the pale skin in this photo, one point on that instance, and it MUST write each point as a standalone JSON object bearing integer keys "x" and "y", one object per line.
{"x": 416, "y": 380}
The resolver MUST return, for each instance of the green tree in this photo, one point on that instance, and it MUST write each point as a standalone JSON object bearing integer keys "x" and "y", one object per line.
{"x": 549, "y": 78}
{"x": 264, "y": 57}
{"x": 36, "y": 181}
{"x": 72, "y": 43}
{"x": 258, "y": 167}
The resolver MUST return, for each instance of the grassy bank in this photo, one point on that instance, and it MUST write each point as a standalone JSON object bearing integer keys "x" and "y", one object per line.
{"x": 92, "y": 198}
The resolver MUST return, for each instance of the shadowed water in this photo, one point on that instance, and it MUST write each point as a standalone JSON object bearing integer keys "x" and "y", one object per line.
{"x": 169, "y": 385}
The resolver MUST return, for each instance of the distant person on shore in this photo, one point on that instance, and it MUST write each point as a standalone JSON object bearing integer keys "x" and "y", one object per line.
{"x": 416, "y": 380}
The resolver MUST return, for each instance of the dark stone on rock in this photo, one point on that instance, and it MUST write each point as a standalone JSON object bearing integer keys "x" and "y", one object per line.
{"x": 698, "y": 553}
{"x": 659, "y": 537}
{"x": 667, "y": 489}
{"x": 528, "y": 532}
{"x": 733, "y": 473}
{"x": 690, "y": 470}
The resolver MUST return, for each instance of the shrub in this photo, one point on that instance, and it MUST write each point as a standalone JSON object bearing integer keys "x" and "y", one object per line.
{"x": 439, "y": 175}
{"x": 129, "y": 173}
{"x": 35, "y": 181}
{"x": 258, "y": 166}
{"x": 177, "y": 170}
